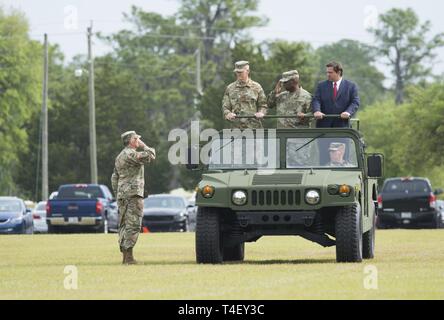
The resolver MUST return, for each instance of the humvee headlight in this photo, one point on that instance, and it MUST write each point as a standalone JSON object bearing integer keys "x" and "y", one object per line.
{"x": 344, "y": 190}
{"x": 208, "y": 192}
{"x": 239, "y": 198}
{"x": 312, "y": 197}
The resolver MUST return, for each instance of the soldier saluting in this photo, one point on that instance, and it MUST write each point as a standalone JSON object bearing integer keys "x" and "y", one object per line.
{"x": 294, "y": 101}
{"x": 244, "y": 97}
{"x": 128, "y": 184}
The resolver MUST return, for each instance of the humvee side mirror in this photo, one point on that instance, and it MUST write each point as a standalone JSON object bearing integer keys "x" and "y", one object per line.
{"x": 189, "y": 164}
{"x": 375, "y": 165}
{"x": 438, "y": 192}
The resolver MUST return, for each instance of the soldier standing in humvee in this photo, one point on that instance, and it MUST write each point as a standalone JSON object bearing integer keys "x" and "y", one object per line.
{"x": 295, "y": 101}
{"x": 244, "y": 97}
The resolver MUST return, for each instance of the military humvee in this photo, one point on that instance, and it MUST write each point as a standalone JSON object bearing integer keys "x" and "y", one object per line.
{"x": 306, "y": 187}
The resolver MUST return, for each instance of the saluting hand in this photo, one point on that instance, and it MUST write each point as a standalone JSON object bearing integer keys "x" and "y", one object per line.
{"x": 277, "y": 88}
{"x": 141, "y": 144}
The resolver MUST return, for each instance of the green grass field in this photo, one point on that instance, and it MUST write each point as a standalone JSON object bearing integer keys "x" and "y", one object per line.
{"x": 409, "y": 264}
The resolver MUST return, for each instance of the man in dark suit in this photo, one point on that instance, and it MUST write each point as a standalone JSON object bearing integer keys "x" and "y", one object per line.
{"x": 335, "y": 96}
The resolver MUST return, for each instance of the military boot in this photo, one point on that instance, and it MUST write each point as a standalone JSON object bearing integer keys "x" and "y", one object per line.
{"x": 129, "y": 257}
{"x": 124, "y": 254}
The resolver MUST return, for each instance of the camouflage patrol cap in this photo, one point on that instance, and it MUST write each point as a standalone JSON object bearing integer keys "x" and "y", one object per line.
{"x": 287, "y": 76}
{"x": 127, "y": 135}
{"x": 334, "y": 146}
{"x": 239, "y": 66}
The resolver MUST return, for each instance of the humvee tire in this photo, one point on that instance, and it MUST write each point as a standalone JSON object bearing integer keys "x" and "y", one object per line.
{"x": 236, "y": 253}
{"x": 368, "y": 241}
{"x": 208, "y": 236}
{"x": 348, "y": 227}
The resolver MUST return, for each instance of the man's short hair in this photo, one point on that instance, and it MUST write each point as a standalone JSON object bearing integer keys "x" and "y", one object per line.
{"x": 337, "y": 67}
{"x": 126, "y": 137}
{"x": 126, "y": 140}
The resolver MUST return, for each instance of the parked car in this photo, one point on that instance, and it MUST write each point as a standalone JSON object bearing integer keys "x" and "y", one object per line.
{"x": 166, "y": 212}
{"x": 192, "y": 213}
{"x": 29, "y": 204}
{"x": 39, "y": 217}
{"x": 112, "y": 217}
{"x": 79, "y": 207}
{"x": 408, "y": 202}
{"x": 15, "y": 218}
{"x": 53, "y": 195}
{"x": 440, "y": 205}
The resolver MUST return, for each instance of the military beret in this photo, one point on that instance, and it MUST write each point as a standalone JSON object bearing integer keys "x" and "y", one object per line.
{"x": 334, "y": 146}
{"x": 287, "y": 76}
{"x": 240, "y": 65}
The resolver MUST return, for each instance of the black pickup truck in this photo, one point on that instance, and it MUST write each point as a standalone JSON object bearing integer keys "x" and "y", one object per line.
{"x": 408, "y": 202}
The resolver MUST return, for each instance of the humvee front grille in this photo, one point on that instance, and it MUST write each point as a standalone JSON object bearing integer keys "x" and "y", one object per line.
{"x": 275, "y": 197}
{"x": 287, "y": 178}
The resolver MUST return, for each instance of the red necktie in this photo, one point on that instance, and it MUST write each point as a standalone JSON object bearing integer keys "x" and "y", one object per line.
{"x": 335, "y": 90}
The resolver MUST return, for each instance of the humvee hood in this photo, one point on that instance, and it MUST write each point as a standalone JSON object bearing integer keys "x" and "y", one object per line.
{"x": 242, "y": 179}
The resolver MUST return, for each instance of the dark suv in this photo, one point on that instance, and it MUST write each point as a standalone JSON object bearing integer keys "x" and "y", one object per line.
{"x": 406, "y": 202}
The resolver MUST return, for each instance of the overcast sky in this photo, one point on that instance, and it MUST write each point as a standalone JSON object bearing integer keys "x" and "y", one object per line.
{"x": 316, "y": 21}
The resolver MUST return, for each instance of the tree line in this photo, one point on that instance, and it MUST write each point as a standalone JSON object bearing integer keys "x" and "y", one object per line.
{"x": 148, "y": 83}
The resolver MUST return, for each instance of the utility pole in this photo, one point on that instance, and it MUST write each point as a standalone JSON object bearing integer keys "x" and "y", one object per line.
{"x": 45, "y": 123}
{"x": 198, "y": 73}
{"x": 92, "y": 111}
{"x": 199, "y": 90}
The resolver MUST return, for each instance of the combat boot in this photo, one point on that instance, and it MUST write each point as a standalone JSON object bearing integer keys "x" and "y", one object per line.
{"x": 129, "y": 257}
{"x": 124, "y": 254}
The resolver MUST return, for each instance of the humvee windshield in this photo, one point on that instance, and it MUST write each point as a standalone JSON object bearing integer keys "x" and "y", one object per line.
{"x": 321, "y": 153}
{"x": 244, "y": 153}
{"x": 301, "y": 153}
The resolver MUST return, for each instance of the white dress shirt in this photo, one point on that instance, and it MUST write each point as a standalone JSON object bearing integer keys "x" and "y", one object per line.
{"x": 338, "y": 83}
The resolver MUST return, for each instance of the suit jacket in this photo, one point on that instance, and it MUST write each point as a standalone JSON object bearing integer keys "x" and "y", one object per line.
{"x": 347, "y": 100}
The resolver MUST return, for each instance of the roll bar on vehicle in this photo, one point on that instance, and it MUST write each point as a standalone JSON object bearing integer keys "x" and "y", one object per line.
{"x": 307, "y": 116}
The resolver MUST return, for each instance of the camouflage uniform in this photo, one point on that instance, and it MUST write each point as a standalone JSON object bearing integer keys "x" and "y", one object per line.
{"x": 339, "y": 164}
{"x": 335, "y": 146}
{"x": 305, "y": 157}
{"x": 128, "y": 185}
{"x": 244, "y": 98}
{"x": 289, "y": 104}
